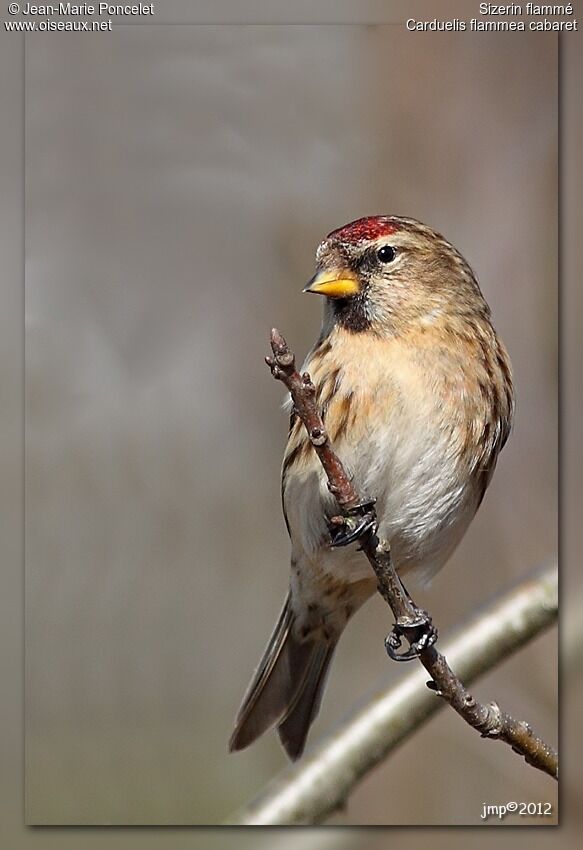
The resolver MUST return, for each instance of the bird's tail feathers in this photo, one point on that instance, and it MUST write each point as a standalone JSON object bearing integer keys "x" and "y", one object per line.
{"x": 286, "y": 689}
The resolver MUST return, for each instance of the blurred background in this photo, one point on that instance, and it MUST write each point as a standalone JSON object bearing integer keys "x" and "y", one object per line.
{"x": 178, "y": 181}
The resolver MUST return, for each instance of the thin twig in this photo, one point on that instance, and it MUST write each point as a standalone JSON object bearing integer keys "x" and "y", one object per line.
{"x": 303, "y": 393}
{"x": 489, "y": 719}
{"x": 309, "y": 791}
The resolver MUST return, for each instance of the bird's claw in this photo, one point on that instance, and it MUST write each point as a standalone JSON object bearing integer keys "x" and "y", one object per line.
{"x": 421, "y": 634}
{"x": 358, "y": 522}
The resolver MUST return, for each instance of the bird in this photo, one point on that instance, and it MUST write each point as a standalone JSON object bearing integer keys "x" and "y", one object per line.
{"x": 415, "y": 389}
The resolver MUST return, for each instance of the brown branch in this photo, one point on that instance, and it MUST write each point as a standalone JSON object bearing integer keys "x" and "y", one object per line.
{"x": 303, "y": 393}
{"x": 411, "y": 622}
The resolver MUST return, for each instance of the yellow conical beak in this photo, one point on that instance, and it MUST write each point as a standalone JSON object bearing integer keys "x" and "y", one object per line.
{"x": 340, "y": 283}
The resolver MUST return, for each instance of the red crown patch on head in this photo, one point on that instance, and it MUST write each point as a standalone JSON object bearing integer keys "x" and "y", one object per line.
{"x": 370, "y": 227}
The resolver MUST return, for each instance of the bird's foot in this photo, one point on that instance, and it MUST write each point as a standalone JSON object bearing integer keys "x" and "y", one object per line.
{"x": 420, "y": 632}
{"x": 357, "y": 522}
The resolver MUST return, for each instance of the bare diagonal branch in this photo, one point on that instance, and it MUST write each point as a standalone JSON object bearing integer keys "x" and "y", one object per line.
{"x": 311, "y": 790}
{"x": 488, "y": 719}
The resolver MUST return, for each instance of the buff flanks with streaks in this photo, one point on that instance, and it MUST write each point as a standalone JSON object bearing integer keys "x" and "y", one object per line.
{"x": 415, "y": 389}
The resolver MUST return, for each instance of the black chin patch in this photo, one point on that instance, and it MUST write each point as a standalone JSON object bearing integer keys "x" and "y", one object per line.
{"x": 350, "y": 314}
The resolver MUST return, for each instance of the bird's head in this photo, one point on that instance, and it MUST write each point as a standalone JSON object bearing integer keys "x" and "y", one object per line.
{"x": 387, "y": 273}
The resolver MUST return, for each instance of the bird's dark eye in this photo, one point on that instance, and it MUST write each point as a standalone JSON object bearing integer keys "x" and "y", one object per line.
{"x": 386, "y": 254}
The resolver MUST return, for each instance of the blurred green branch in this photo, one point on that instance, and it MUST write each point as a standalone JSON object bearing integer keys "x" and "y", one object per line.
{"x": 310, "y": 792}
